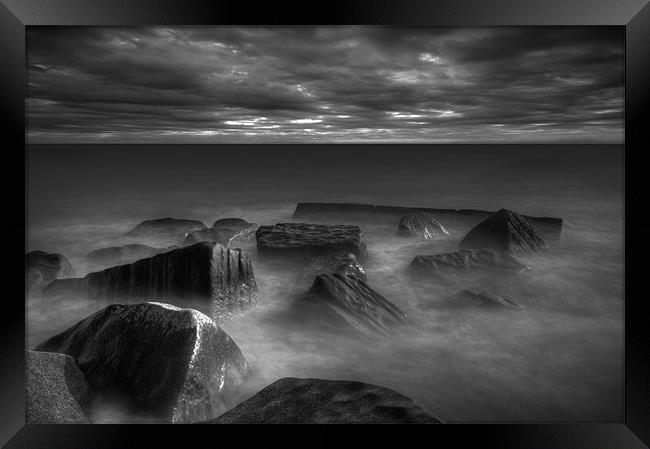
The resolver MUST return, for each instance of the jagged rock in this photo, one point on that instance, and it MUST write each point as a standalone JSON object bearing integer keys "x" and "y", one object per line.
{"x": 349, "y": 299}
{"x": 172, "y": 364}
{"x": 42, "y": 268}
{"x": 230, "y": 232}
{"x": 166, "y": 228}
{"x": 205, "y": 271}
{"x": 309, "y": 240}
{"x": 505, "y": 230}
{"x": 421, "y": 225}
{"x": 473, "y": 259}
{"x": 207, "y": 235}
{"x": 56, "y": 391}
{"x": 342, "y": 262}
{"x": 116, "y": 255}
{"x": 236, "y": 224}
{"x": 470, "y": 298}
{"x": 291, "y": 400}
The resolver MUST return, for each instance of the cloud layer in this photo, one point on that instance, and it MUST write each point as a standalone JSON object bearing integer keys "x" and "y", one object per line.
{"x": 324, "y": 84}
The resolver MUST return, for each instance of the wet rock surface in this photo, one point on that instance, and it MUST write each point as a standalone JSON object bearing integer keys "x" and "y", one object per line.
{"x": 422, "y": 226}
{"x": 465, "y": 259}
{"x": 342, "y": 262}
{"x": 505, "y": 230}
{"x": 42, "y": 268}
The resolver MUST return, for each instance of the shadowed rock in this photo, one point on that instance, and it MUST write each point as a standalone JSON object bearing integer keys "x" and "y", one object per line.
{"x": 42, "y": 268}
{"x": 348, "y": 299}
{"x": 465, "y": 259}
{"x": 505, "y": 230}
{"x": 469, "y": 298}
{"x": 342, "y": 262}
{"x": 166, "y": 228}
{"x": 116, "y": 255}
{"x": 301, "y": 401}
{"x": 56, "y": 391}
{"x": 421, "y": 225}
{"x": 305, "y": 240}
{"x": 172, "y": 364}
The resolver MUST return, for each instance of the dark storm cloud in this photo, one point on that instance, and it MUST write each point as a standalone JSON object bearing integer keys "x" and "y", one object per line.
{"x": 325, "y": 84}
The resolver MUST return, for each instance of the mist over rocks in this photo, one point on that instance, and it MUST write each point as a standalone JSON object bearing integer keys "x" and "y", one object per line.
{"x": 465, "y": 259}
{"x": 165, "y": 228}
{"x": 307, "y": 240}
{"x": 470, "y": 298}
{"x": 318, "y": 401}
{"x": 158, "y": 360}
{"x": 207, "y": 235}
{"x": 505, "y": 230}
{"x": 41, "y": 268}
{"x": 231, "y": 232}
{"x": 341, "y": 262}
{"x": 115, "y": 255}
{"x": 421, "y": 225}
{"x": 56, "y": 390}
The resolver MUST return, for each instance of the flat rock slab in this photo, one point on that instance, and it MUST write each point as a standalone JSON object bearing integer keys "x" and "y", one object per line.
{"x": 42, "y": 268}
{"x": 317, "y": 401}
{"x": 309, "y": 240}
{"x": 165, "y": 228}
{"x": 56, "y": 391}
{"x": 465, "y": 259}
{"x": 505, "y": 230}
{"x": 421, "y": 225}
{"x": 160, "y": 361}
{"x": 469, "y": 298}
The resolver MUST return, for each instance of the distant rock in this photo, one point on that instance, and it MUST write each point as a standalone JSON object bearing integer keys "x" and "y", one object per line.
{"x": 236, "y": 224}
{"x": 505, "y": 230}
{"x": 230, "y": 232}
{"x": 348, "y": 299}
{"x": 342, "y": 262}
{"x": 205, "y": 271}
{"x": 166, "y": 229}
{"x": 175, "y": 365}
{"x": 207, "y": 235}
{"x": 469, "y": 298}
{"x": 465, "y": 259}
{"x": 421, "y": 225}
{"x": 41, "y": 268}
{"x": 305, "y": 240}
{"x": 56, "y": 391}
{"x": 116, "y": 255}
{"x": 317, "y": 401}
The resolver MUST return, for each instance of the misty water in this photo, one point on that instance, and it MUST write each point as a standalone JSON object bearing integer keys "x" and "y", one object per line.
{"x": 560, "y": 358}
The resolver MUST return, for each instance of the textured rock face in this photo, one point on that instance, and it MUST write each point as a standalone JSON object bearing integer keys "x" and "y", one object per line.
{"x": 309, "y": 240}
{"x": 175, "y": 365}
{"x": 351, "y": 300}
{"x": 207, "y": 235}
{"x": 116, "y": 255}
{"x": 342, "y": 262}
{"x": 236, "y": 224}
{"x": 421, "y": 225}
{"x": 505, "y": 230}
{"x": 318, "y": 401}
{"x": 42, "y": 268}
{"x": 166, "y": 228}
{"x": 472, "y": 259}
{"x": 230, "y": 232}
{"x": 469, "y": 298}
{"x": 56, "y": 391}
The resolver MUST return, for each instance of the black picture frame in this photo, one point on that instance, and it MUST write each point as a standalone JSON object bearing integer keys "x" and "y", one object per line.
{"x": 633, "y": 432}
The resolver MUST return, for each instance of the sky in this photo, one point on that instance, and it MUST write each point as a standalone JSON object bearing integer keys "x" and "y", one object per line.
{"x": 333, "y": 84}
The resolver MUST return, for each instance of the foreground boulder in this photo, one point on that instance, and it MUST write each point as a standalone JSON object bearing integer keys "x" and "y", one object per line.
{"x": 465, "y": 259}
{"x": 42, "y": 268}
{"x": 421, "y": 225}
{"x": 116, "y": 255}
{"x": 505, "y": 230}
{"x": 309, "y": 240}
{"x": 56, "y": 391}
{"x": 165, "y": 229}
{"x": 171, "y": 364}
{"x": 469, "y": 298}
{"x": 348, "y": 299}
{"x": 206, "y": 272}
{"x": 317, "y": 401}
{"x": 342, "y": 262}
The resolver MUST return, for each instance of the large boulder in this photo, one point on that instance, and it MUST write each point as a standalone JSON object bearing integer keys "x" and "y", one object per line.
{"x": 56, "y": 391}
{"x": 165, "y": 229}
{"x": 469, "y": 298}
{"x": 317, "y": 401}
{"x": 205, "y": 272}
{"x": 42, "y": 268}
{"x": 306, "y": 240}
{"x": 341, "y": 262}
{"x": 505, "y": 230}
{"x": 465, "y": 259}
{"x": 348, "y": 299}
{"x": 157, "y": 360}
{"x": 421, "y": 225}
{"x": 117, "y": 255}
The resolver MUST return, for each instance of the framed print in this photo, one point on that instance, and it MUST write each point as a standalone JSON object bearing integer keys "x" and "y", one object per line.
{"x": 358, "y": 213}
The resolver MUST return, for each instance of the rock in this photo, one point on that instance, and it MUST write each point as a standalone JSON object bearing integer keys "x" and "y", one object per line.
{"x": 317, "y": 401}
{"x": 56, "y": 391}
{"x": 116, "y": 255}
{"x": 207, "y": 235}
{"x": 421, "y": 225}
{"x": 206, "y": 272}
{"x": 171, "y": 364}
{"x": 41, "y": 268}
{"x": 342, "y": 262}
{"x": 472, "y": 259}
{"x": 166, "y": 228}
{"x": 230, "y": 232}
{"x": 236, "y": 224}
{"x": 505, "y": 230}
{"x": 470, "y": 298}
{"x": 304, "y": 240}
{"x": 348, "y": 299}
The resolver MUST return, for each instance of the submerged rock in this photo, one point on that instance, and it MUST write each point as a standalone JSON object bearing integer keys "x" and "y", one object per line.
{"x": 172, "y": 364}
{"x": 469, "y": 298}
{"x": 116, "y": 255}
{"x": 165, "y": 228}
{"x": 309, "y": 240}
{"x": 421, "y": 225}
{"x": 465, "y": 259}
{"x": 56, "y": 391}
{"x": 505, "y": 230}
{"x": 350, "y": 300}
{"x": 42, "y": 268}
{"x": 342, "y": 262}
{"x": 291, "y": 400}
